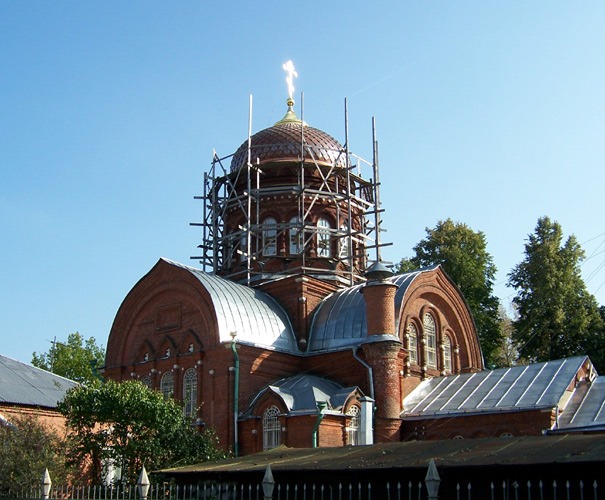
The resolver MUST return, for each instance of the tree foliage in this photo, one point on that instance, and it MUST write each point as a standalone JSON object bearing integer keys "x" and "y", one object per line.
{"x": 463, "y": 255}
{"x": 28, "y": 447}
{"x": 131, "y": 425}
{"x": 72, "y": 359}
{"x": 557, "y": 317}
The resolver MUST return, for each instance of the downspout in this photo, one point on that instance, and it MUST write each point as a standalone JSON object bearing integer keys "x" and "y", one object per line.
{"x": 235, "y": 395}
{"x": 370, "y": 372}
{"x": 321, "y": 405}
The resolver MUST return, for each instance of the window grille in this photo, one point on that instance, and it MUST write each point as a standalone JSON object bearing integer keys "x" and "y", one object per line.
{"x": 189, "y": 392}
{"x": 146, "y": 381}
{"x": 354, "y": 427}
{"x": 271, "y": 428}
{"x": 270, "y": 237}
{"x": 167, "y": 385}
{"x": 323, "y": 238}
{"x": 413, "y": 343}
{"x": 447, "y": 354}
{"x": 430, "y": 346}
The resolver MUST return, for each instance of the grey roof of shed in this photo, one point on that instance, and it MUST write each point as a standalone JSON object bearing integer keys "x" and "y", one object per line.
{"x": 340, "y": 321}
{"x": 538, "y": 385}
{"x": 302, "y": 392}
{"x": 23, "y": 384}
{"x": 253, "y": 314}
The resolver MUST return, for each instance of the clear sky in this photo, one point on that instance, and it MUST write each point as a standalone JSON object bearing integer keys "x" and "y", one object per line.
{"x": 489, "y": 113}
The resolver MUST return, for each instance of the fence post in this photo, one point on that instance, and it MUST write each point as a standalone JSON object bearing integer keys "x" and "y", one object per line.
{"x": 268, "y": 484}
{"x": 143, "y": 484}
{"x": 432, "y": 481}
{"x": 46, "y": 484}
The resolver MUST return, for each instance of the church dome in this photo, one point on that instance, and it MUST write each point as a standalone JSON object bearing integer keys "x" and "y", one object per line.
{"x": 282, "y": 142}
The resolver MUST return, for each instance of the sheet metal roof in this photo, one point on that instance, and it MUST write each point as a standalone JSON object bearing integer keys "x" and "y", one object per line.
{"x": 591, "y": 410}
{"x": 302, "y": 393}
{"x": 340, "y": 321}
{"x": 539, "y": 385}
{"x": 525, "y": 450}
{"x": 256, "y": 317}
{"x": 23, "y": 384}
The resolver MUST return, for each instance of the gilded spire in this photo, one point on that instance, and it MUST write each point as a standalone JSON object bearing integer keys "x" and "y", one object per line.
{"x": 290, "y": 116}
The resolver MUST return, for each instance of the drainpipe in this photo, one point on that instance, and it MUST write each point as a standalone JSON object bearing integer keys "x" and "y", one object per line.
{"x": 370, "y": 372}
{"x": 321, "y": 406}
{"x": 235, "y": 395}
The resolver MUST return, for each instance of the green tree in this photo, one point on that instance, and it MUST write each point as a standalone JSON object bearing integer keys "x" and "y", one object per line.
{"x": 557, "y": 316}
{"x": 130, "y": 425}
{"x": 28, "y": 447}
{"x": 73, "y": 359}
{"x": 463, "y": 255}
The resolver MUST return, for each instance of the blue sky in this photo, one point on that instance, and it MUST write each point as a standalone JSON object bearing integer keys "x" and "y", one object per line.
{"x": 489, "y": 113}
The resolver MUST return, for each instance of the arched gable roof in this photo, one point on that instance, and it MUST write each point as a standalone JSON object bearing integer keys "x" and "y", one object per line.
{"x": 253, "y": 314}
{"x": 301, "y": 393}
{"x": 340, "y": 321}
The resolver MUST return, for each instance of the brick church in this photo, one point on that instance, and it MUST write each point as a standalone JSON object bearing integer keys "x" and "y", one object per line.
{"x": 296, "y": 333}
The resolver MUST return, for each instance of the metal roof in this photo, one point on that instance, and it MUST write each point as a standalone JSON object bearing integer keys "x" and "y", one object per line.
{"x": 447, "y": 453}
{"x": 590, "y": 412}
{"x": 23, "y": 384}
{"x": 301, "y": 393}
{"x": 539, "y": 385}
{"x": 256, "y": 317}
{"x": 340, "y": 321}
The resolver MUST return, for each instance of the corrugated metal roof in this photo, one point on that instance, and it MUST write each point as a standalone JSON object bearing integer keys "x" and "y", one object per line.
{"x": 256, "y": 317}
{"x": 302, "y": 392}
{"x": 340, "y": 321}
{"x": 447, "y": 453}
{"x": 23, "y": 384}
{"x": 539, "y": 385}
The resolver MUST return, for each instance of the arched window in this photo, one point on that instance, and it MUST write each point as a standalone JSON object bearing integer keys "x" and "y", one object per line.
{"x": 167, "y": 385}
{"x": 270, "y": 237}
{"x": 189, "y": 392}
{"x": 412, "y": 335}
{"x": 271, "y": 428}
{"x": 146, "y": 381}
{"x": 323, "y": 238}
{"x": 295, "y": 236}
{"x": 354, "y": 426}
{"x": 447, "y": 354}
{"x": 343, "y": 242}
{"x": 430, "y": 341}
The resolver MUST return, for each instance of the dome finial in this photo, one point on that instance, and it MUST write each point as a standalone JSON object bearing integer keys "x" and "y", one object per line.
{"x": 290, "y": 116}
{"x": 289, "y": 68}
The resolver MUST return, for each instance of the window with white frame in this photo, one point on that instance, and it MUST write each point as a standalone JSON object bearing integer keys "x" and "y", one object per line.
{"x": 167, "y": 385}
{"x": 270, "y": 237}
{"x": 343, "y": 242}
{"x": 354, "y": 427}
{"x": 412, "y": 335}
{"x": 146, "y": 381}
{"x": 430, "y": 341}
{"x": 323, "y": 238}
{"x": 189, "y": 392}
{"x": 447, "y": 354}
{"x": 295, "y": 236}
{"x": 271, "y": 428}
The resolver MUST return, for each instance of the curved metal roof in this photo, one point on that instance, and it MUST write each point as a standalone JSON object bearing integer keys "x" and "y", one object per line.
{"x": 539, "y": 385}
{"x": 282, "y": 141}
{"x": 340, "y": 321}
{"x": 256, "y": 317}
{"x": 23, "y": 384}
{"x": 302, "y": 392}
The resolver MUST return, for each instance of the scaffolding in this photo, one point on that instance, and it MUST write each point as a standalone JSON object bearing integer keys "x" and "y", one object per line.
{"x": 243, "y": 194}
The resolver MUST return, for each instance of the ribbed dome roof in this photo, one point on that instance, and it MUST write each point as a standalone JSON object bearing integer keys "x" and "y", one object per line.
{"x": 282, "y": 141}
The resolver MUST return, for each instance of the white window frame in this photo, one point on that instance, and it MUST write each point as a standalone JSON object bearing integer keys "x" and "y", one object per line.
{"x": 430, "y": 341}
{"x": 412, "y": 334}
{"x": 167, "y": 385}
{"x": 271, "y": 428}
{"x": 324, "y": 246}
{"x": 189, "y": 392}
{"x": 354, "y": 426}
{"x": 295, "y": 237}
{"x": 270, "y": 237}
{"x": 447, "y": 354}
